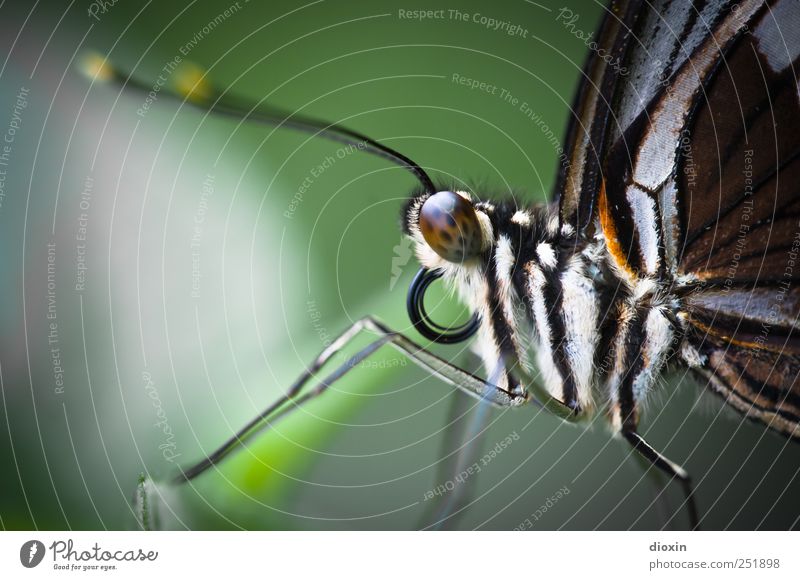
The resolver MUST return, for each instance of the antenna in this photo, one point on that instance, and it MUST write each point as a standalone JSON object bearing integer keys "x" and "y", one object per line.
{"x": 192, "y": 86}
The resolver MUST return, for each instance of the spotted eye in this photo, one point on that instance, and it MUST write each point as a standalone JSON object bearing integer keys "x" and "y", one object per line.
{"x": 449, "y": 224}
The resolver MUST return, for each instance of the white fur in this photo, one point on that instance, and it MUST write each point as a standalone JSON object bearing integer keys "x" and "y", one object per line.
{"x": 691, "y": 356}
{"x": 547, "y": 255}
{"x": 618, "y": 368}
{"x": 553, "y": 381}
{"x": 521, "y": 218}
{"x": 658, "y": 339}
{"x": 504, "y": 262}
{"x": 581, "y": 313}
{"x": 513, "y": 308}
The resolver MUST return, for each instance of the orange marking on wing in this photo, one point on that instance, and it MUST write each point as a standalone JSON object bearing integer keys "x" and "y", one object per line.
{"x": 610, "y": 234}
{"x": 779, "y": 348}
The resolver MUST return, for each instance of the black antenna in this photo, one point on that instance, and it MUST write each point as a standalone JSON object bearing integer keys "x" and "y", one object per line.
{"x": 193, "y": 87}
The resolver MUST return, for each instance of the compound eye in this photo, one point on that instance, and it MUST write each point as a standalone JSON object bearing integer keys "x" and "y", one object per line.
{"x": 450, "y": 226}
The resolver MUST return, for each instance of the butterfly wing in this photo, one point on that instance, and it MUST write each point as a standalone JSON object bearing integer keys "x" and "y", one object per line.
{"x": 580, "y": 174}
{"x": 740, "y": 221}
{"x": 691, "y": 139}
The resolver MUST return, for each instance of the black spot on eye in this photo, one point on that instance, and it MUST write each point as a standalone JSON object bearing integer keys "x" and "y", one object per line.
{"x": 449, "y": 224}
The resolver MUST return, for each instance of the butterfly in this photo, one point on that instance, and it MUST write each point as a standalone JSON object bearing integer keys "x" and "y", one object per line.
{"x": 672, "y": 240}
{"x": 674, "y": 237}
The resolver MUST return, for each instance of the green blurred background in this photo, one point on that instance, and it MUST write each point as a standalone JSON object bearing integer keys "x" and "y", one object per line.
{"x": 201, "y": 299}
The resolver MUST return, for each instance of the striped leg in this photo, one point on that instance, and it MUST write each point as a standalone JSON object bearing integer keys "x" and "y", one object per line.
{"x": 298, "y": 394}
{"x": 643, "y": 341}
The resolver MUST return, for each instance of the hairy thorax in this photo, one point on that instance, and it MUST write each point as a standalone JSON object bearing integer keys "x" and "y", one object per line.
{"x": 556, "y": 312}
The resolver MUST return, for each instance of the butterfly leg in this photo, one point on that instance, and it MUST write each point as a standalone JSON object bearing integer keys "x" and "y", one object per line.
{"x": 298, "y": 395}
{"x": 459, "y": 448}
{"x": 641, "y": 347}
{"x": 672, "y": 469}
{"x": 658, "y": 486}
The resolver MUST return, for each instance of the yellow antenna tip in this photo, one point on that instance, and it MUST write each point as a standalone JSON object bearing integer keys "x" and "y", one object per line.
{"x": 96, "y": 66}
{"x": 192, "y": 83}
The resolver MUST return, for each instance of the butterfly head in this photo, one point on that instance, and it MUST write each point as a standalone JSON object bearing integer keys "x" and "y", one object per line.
{"x": 448, "y": 229}
{"x": 452, "y": 237}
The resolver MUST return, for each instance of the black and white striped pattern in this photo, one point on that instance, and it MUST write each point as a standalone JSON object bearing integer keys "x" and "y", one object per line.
{"x": 642, "y": 258}
{"x": 554, "y": 313}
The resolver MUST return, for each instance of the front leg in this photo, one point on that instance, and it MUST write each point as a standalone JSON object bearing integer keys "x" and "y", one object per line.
{"x": 641, "y": 346}
{"x": 301, "y": 392}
